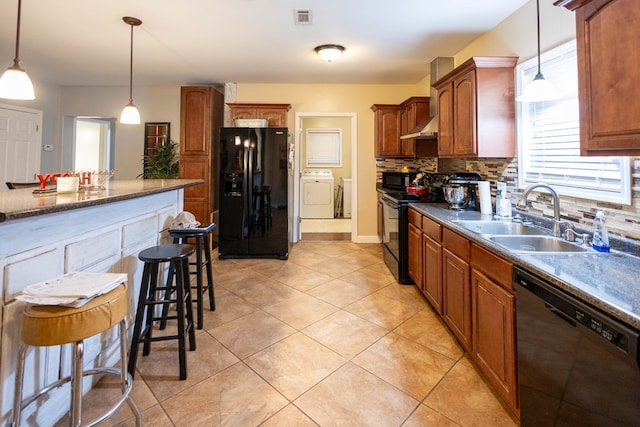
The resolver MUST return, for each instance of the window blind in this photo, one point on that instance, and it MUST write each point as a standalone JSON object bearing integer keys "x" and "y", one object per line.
{"x": 549, "y": 137}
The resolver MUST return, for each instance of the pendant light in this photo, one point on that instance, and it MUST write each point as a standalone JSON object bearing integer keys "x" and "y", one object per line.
{"x": 15, "y": 83}
{"x": 540, "y": 89}
{"x": 130, "y": 114}
{"x": 329, "y": 52}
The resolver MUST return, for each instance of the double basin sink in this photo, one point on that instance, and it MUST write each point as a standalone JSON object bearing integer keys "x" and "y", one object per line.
{"x": 519, "y": 237}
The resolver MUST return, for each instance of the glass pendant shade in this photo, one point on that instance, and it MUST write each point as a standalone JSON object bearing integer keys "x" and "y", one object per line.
{"x": 130, "y": 115}
{"x": 540, "y": 89}
{"x": 329, "y": 52}
{"x": 16, "y": 84}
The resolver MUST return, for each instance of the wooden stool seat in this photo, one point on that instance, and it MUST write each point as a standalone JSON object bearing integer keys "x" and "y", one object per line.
{"x": 48, "y": 325}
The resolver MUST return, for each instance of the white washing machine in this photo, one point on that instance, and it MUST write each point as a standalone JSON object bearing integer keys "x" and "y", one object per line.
{"x": 317, "y": 193}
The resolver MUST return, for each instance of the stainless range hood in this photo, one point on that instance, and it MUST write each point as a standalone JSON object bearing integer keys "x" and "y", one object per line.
{"x": 428, "y": 129}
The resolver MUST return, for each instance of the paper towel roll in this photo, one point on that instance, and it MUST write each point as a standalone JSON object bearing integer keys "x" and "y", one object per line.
{"x": 484, "y": 191}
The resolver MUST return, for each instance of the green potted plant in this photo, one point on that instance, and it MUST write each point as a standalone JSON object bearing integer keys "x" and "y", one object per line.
{"x": 162, "y": 163}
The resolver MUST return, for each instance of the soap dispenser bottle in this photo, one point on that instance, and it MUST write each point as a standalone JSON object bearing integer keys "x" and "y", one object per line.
{"x": 600, "y": 233}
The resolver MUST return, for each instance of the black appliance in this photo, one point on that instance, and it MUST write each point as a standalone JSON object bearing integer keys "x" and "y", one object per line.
{"x": 253, "y": 219}
{"x": 398, "y": 181}
{"x": 395, "y": 214}
{"x": 576, "y": 365}
{"x": 436, "y": 182}
{"x": 461, "y": 191}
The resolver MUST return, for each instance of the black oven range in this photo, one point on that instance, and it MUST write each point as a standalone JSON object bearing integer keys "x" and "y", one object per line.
{"x": 396, "y": 199}
{"x": 395, "y": 233}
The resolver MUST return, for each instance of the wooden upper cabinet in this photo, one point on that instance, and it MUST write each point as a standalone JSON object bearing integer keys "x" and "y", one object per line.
{"x": 195, "y": 120}
{"x": 387, "y": 130}
{"x": 276, "y": 114}
{"x": 476, "y": 107}
{"x": 608, "y": 44}
{"x": 392, "y": 121}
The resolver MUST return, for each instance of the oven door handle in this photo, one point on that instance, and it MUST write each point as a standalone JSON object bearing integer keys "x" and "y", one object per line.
{"x": 390, "y": 203}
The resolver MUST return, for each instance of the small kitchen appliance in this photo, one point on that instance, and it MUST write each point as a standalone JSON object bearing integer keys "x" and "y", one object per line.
{"x": 399, "y": 181}
{"x": 461, "y": 191}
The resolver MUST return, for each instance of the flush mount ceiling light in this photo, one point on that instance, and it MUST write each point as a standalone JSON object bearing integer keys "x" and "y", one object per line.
{"x": 130, "y": 114}
{"x": 539, "y": 89}
{"x": 15, "y": 83}
{"x": 329, "y": 52}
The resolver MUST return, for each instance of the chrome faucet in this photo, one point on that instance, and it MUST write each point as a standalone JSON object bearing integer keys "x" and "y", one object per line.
{"x": 522, "y": 204}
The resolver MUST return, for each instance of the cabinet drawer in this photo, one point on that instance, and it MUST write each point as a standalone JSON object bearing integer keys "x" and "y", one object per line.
{"x": 415, "y": 218}
{"x": 492, "y": 266}
{"x": 432, "y": 229}
{"x": 456, "y": 244}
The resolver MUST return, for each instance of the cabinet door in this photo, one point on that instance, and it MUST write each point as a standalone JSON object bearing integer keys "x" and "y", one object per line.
{"x": 456, "y": 309}
{"x": 494, "y": 335}
{"x": 445, "y": 120}
{"x": 195, "y": 120}
{"x": 415, "y": 255}
{"x": 464, "y": 113}
{"x": 608, "y": 55}
{"x": 243, "y": 113}
{"x": 277, "y": 117}
{"x": 197, "y": 198}
{"x": 432, "y": 273}
{"x": 388, "y": 132}
{"x": 407, "y": 117}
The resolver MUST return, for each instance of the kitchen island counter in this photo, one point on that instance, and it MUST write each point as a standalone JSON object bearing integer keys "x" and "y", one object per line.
{"x": 608, "y": 281}
{"x": 22, "y": 203}
{"x": 46, "y": 236}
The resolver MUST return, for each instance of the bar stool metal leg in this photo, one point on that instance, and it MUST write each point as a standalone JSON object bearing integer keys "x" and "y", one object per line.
{"x": 76, "y": 384}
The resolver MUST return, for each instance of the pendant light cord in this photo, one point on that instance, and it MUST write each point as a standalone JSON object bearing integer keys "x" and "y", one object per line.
{"x": 538, "y": 16}
{"x": 16, "y": 60}
{"x": 131, "y": 68}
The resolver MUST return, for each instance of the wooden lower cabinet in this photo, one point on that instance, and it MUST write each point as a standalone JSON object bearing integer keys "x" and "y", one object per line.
{"x": 415, "y": 247}
{"x": 493, "y": 343}
{"x": 470, "y": 287}
{"x": 432, "y": 272}
{"x": 494, "y": 322}
{"x": 456, "y": 287}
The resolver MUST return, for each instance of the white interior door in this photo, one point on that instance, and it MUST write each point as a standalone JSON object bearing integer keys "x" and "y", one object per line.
{"x": 20, "y": 140}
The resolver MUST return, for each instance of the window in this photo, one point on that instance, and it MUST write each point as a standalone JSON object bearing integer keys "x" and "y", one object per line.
{"x": 549, "y": 137}
{"x": 324, "y": 147}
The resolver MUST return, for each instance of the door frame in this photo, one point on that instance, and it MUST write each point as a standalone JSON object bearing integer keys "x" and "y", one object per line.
{"x": 37, "y": 116}
{"x": 297, "y": 170}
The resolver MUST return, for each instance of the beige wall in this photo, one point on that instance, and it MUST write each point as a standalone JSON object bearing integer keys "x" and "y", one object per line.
{"x": 341, "y": 99}
{"x": 156, "y": 104}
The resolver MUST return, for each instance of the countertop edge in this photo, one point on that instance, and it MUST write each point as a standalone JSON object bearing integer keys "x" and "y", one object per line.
{"x": 431, "y": 211}
{"x": 115, "y": 191}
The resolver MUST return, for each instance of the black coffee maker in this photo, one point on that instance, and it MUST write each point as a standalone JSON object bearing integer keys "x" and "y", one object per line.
{"x": 461, "y": 191}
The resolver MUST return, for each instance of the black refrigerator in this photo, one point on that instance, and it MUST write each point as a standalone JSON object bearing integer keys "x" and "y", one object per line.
{"x": 253, "y": 219}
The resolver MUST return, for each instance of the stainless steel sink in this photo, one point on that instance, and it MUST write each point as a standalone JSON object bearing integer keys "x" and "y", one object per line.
{"x": 547, "y": 244}
{"x": 500, "y": 228}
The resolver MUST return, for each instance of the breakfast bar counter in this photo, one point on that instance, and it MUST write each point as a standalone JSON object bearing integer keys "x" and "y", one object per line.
{"x": 44, "y": 236}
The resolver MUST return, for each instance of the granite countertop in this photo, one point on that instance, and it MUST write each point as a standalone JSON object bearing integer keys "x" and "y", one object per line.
{"x": 608, "y": 281}
{"x": 23, "y": 203}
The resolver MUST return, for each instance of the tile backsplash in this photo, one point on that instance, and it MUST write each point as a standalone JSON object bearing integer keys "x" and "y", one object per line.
{"x": 622, "y": 220}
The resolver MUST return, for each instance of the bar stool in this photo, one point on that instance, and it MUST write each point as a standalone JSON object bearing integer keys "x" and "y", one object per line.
{"x": 151, "y": 296}
{"x": 48, "y": 325}
{"x": 202, "y": 242}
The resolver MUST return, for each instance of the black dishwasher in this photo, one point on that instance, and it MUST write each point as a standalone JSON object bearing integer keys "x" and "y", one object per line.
{"x": 576, "y": 365}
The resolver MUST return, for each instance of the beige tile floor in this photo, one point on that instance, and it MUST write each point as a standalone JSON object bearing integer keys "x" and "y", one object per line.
{"x": 326, "y": 338}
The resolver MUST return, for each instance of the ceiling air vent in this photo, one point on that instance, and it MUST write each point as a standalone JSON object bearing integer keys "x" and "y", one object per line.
{"x": 302, "y": 17}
